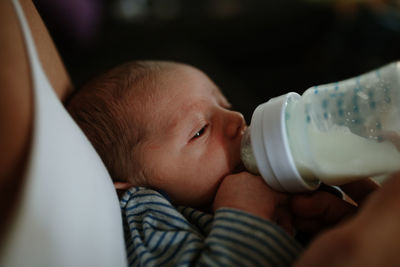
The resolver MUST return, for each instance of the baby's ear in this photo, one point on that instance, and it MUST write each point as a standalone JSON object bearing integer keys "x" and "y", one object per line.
{"x": 122, "y": 185}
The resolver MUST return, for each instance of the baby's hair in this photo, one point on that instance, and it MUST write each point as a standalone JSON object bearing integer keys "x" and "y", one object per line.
{"x": 103, "y": 110}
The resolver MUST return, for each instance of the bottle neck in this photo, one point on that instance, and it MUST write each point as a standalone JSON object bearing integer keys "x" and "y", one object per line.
{"x": 247, "y": 155}
{"x": 270, "y": 151}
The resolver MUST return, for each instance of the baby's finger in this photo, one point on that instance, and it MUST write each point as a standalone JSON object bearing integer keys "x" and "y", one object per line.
{"x": 284, "y": 219}
{"x": 360, "y": 190}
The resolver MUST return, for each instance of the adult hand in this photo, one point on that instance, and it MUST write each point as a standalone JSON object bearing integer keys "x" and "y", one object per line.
{"x": 321, "y": 209}
{"x": 251, "y": 194}
{"x": 370, "y": 238}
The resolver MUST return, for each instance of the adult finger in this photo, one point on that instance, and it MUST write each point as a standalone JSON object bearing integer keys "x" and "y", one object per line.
{"x": 321, "y": 205}
{"x": 360, "y": 190}
{"x": 309, "y": 226}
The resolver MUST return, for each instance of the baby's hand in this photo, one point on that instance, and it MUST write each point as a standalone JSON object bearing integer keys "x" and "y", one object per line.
{"x": 251, "y": 194}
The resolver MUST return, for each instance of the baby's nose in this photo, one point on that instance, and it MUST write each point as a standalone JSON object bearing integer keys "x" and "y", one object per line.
{"x": 236, "y": 124}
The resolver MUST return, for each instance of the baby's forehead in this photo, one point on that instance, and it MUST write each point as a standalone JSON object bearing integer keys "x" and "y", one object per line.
{"x": 174, "y": 86}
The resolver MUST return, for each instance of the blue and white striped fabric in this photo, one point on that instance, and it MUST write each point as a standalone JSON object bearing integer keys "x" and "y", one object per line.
{"x": 159, "y": 234}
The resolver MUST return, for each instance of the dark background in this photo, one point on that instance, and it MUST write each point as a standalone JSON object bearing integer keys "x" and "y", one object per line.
{"x": 253, "y": 49}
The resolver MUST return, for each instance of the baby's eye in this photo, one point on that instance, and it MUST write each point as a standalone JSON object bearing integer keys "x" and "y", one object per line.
{"x": 200, "y": 133}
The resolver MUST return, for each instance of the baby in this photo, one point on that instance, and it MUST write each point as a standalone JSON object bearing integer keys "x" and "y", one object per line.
{"x": 164, "y": 127}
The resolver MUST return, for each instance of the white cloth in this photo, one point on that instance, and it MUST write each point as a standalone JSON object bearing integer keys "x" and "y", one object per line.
{"x": 69, "y": 212}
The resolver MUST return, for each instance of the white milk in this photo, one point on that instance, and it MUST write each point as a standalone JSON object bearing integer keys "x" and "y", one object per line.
{"x": 340, "y": 156}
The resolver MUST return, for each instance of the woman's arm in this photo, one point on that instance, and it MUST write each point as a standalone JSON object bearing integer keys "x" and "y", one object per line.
{"x": 16, "y": 106}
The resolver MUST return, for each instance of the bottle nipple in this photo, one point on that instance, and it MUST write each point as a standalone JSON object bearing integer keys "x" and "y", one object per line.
{"x": 246, "y": 154}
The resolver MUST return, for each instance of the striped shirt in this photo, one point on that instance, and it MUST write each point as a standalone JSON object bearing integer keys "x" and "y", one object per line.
{"x": 159, "y": 234}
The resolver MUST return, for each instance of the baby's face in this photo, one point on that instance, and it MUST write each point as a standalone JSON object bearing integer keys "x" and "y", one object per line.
{"x": 192, "y": 137}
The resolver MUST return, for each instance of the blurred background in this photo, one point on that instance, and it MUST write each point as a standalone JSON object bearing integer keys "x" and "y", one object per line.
{"x": 252, "y": 49}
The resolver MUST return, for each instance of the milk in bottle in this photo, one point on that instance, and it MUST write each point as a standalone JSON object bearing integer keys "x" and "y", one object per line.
{"x": 333, "y": 133}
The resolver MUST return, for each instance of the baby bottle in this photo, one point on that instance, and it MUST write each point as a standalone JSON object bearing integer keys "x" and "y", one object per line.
{"x": 334, "y": 133}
